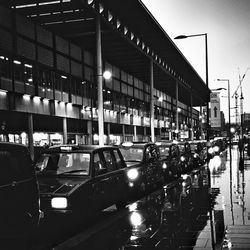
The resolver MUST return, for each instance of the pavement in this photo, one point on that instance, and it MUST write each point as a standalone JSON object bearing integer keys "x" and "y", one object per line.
{"x": 234, "y": 200}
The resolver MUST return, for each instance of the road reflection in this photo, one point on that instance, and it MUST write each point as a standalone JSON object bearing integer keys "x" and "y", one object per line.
{"x": 178, "y": 215}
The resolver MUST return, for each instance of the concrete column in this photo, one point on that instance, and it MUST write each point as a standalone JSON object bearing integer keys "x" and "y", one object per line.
{"x": 108, "y": 135}
{"x": 177, "y": 104}
{"x": 200, "y": 119}
{"x": 135, "y": 134}
{"x": 170, "y": 135}
{"x": 152, "y": 101}
{"x": 65, "y": 138}
{"x": 123, "y": 132}
{"x": 192, "y": 125}
{"x": 99, "y": 77}
{"x": 90, "y": 132}
{"x": 30, "y": 135}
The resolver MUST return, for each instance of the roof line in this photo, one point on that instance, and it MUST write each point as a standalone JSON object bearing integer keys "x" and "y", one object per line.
{"x": 165, "y": 33}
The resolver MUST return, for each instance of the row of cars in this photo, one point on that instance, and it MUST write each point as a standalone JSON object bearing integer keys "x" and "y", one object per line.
{"x": 72, "y": 181}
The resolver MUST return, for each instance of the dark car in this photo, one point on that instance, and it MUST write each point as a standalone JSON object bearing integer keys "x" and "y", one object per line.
{"x": 19, "y": 210}
{"x": 219, "y": 145}
{"x": 187, "y": 161}
{"x": 145, "y": 164}
{"x": 170, "y": 155}
{"x": 198, "y": 150}
{"x": 78, "y": 180}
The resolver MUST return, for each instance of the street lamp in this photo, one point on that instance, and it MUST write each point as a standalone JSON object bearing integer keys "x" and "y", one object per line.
{"x": 205, "y": 35}
{"x": 106, "y": 75}
{"x": 229, "y": 115}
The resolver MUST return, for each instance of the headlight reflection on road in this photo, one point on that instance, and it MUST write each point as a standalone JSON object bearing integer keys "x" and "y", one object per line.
{"x": 214, "y": 163}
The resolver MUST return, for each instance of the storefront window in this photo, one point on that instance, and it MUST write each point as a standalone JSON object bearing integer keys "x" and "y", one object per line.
{"x": 5, "y": 70}
{"x": 18, "y": 70}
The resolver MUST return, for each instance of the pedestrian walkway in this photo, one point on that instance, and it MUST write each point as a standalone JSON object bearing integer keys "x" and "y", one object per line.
{"x": 234, "y": 200}
{"x": 237, "y": 237}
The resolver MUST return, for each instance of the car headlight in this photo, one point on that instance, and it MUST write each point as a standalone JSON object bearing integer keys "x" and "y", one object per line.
{"x": 216, "y": 149}
{"x": 183, "y": 158}
{"x": 210, "y": 150}
{"x": 196, "y": 155}
{"x": 59, "y": 202}
{"x": 164, "y": 165}
{"x": 132, "y": 174}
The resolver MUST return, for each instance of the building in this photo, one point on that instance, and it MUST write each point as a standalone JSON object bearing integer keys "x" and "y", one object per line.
{"x": 53, "y": 54}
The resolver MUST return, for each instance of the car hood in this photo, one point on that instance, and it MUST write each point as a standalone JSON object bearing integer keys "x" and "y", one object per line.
{"x": 59, "y": 186}
{"x": 132, "y": 163}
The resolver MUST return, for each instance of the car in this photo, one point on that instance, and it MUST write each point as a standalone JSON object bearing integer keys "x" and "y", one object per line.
{"x": 170, "y": 155}
{"x": 76, "y": 181}
{"x": 19, "y": 194}
{"x": 198, "y": 152}
{"x": 145, "y": 164}
{"x": 187, "y": 160}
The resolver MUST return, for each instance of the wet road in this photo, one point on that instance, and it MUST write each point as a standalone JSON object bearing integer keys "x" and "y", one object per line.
{"x": 189, "y": 213}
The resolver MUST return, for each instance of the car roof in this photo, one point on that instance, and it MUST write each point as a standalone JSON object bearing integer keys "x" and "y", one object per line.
{"x": 76, "y": 148}
{"x": 137, "y": 144}
{"x": 12, "y": 145}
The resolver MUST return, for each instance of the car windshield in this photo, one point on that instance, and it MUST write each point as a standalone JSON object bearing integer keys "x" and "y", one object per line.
{"x": 182, "y": 148}
{"x": 194, "y": 147}
{"x": 132, "y": 154}
{"x": 164, "y": 150}
{"x": 64, "y": 163}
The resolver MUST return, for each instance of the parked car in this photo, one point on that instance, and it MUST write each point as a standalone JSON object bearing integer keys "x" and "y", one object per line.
{"x": 198, "y": 152}
{"x": 187, "y": 161}
{"x": 78, "y": 180}
{"x": 19, "y": 210}
{"x": 146, "y": 163}
{"x": 170, "y": 155}
{"x": 219, "y": 145}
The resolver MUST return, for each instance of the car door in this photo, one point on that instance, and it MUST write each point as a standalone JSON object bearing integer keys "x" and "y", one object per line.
{"x": 110, "y": 180}
{"x": 100, "y": 181}
{"x": 121, "y": 185}
{"x": 151, "y": 164}
{"x": 157, "y": 164}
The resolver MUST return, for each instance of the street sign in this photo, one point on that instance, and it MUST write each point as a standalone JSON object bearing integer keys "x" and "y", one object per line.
{"x": 215, "y": 110}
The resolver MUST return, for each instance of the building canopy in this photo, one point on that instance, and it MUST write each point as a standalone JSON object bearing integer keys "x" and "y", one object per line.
{"x": 131, "y": 37}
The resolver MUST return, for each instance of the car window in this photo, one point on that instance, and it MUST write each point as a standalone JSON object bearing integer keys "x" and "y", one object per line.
{"x": 151, "y": 153}
{"x": 99, "y": 166}
{"x": 60, "y": 163}
{"x": 194, "y": 147}
{"x": 118, "y": 159}
{"x": 15, "y": 165}
{"x": 164, "y": 150}
{"x": 188, "y": 147}
{"x": 132, "y": 153}
{"x": 175, "y": 151}
{"x": 109, "y": 160}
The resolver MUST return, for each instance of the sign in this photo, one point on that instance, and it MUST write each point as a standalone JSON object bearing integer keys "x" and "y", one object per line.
{"x": 215, "y": 110}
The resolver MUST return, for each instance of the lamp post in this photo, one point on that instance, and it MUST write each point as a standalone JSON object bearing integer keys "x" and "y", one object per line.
{"x": 106, "y": 75}
{"x": 206, "y": 53}
{"x": 229, "y": 114}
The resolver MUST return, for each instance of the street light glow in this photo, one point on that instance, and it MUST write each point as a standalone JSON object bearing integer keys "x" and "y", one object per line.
{"x": 107, "y": 75}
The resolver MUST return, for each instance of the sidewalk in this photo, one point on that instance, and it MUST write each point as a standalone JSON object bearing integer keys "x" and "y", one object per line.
{"x": 234, "y": 200}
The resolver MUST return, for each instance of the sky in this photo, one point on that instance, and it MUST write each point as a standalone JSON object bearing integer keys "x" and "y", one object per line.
{"x": 227, "y": 24}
